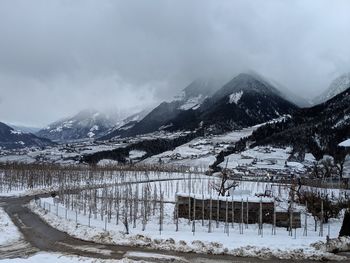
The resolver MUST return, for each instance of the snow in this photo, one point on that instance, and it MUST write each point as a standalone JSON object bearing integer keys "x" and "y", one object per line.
{"x": 8, "y": 231}
{"x": 337, "y": 86}
{"x": 267, "y": 158}
{"x": 250, "y": 243}
{"x": 154, "y": 256}
{"x": 192, "y": 103}
{"x": 11, "y": 237}
{"x": 135, "y": 154}
{"x": 16, "y": 158}
{"x": 343, "y": 121}
{"x": 90, "y": 134}
{"x": 16, "y": 132}
{"x": 94, "y": 128}
{"x": 200, "y": 152}
{"x": 345, "y": 143}
{"x": 235, "y": 97}
{"x": 340, "y": 244}
{"x": 107, "y": 162}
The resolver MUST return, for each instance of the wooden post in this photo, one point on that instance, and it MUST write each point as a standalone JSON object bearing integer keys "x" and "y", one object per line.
{"x": 89, "y": 218}
{"x": 217, "y": 212}
{"x": 194, "y": 215}
{"x": 322, "y": 219}
{"x": 233, "y": 212}
{"x": 305, "y": 222}
{"x": 291, "y": 219}
{"x": 177, "y": 213}
{"x": 210, "y": 214}
{"x": 274, "y": 218}
{"x": 226, "y": 220}
{"x": 260, "y": 219}
{"x": 189, "y": 208}
{"x": 202, "y": 210}
{"x": 241, "y": 224}
{"x": 247, "y": 215}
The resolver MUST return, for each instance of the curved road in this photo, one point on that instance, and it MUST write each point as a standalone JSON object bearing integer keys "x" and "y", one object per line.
{"x": 39, "y": 236}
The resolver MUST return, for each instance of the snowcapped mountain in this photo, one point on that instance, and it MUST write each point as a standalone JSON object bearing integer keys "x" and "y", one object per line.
{"x": 336, "y": 87}
{"x": 244, "y": 101}
{"x": 125, "y": 124}
{"x": 25, "y": 129}
{"x": 86, "y": 124}
{"x": 13, "y": 139}
{"x": 190, "y": 99}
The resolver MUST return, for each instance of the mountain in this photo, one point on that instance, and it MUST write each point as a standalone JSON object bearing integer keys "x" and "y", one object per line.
{"x": 86, "y": 124}
{"x": 13, "y": 139}
{"x": 337, "y": 86}
{"x": 190, "y": 99}
{"x": 25, "y": 129}
{"x": 318, "y": 129}
{"x": 290, "y": 96}
{"x": 125, "y": 124}
{"x": 244, "y": 101}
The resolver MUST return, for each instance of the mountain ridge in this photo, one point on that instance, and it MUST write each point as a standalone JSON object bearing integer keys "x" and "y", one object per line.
{"x": 14, "y": 139}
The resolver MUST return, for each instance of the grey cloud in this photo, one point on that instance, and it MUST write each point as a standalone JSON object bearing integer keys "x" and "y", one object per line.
{"x": 60, "y": 56}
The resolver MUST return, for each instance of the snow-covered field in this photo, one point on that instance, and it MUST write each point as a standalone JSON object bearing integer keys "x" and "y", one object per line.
{"x": 281, "y": 245}
{"x": 267, "y": 158}
{"x": 200, "y": 152}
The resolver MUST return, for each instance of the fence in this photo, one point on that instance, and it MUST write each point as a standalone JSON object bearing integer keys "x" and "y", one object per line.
{"x": 226, "y": 209}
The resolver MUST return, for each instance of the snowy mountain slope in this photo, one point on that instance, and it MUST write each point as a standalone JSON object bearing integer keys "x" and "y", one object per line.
{"x": 25, "y": 129}
{"x": 190, "y": 98}
{"x": 86, "y": 124}
{"x": 14, "y": 139}
{"x": 244, "y": 101}
{"x": 125, "y": 124}
{"x": 336, "y": 87}
{"x": 318, "y": 129}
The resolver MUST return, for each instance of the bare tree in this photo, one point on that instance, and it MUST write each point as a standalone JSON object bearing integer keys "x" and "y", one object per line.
{"x": 225, "y": 185}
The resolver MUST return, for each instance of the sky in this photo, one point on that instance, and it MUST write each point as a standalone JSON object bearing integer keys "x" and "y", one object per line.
{"x": 58, "y": 57}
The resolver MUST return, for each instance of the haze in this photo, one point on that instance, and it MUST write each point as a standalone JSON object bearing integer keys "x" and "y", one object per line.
{"x": 59, "y": 57}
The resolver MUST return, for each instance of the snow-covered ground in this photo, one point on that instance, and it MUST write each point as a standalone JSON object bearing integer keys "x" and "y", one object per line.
{"x": 200, "y": 152}
{"x": 267, "y": 158}
{"x": 8, "y": 231}
{"x": 249, "y": 243}
{"x": 10, "y": 238}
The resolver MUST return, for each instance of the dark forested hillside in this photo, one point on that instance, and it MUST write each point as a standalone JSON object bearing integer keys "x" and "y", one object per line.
{"x": 13, "y": 139}
{"x": 318, "y": 129}
{"x": 151, "y": 147}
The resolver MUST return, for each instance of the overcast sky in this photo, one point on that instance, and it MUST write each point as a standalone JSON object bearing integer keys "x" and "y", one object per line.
{"x": 59, "y": 57}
